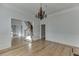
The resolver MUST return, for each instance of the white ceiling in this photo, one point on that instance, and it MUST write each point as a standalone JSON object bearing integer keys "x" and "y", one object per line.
{"x": 31, "y": 8}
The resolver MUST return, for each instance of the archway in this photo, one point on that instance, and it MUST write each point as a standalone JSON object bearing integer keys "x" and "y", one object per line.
{"x": 28, "y": 31}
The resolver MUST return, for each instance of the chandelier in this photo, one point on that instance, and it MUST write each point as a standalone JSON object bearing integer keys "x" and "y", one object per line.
{"x": 41, "y": 14}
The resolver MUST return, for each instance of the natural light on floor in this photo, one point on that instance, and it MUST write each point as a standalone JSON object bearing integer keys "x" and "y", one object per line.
{"x": 29, "y": 38}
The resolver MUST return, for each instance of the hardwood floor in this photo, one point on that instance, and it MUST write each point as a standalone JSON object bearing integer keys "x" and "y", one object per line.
{"x": 37, "y": 48}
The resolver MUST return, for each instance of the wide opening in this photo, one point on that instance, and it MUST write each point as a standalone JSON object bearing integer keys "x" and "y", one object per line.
{"x": 21, "y": 32}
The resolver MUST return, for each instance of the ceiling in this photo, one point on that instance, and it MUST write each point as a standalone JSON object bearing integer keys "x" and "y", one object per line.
{"x": 31, "y": 8}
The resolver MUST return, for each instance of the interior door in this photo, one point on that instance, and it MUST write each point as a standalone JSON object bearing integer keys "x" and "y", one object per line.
{"x": 43, "y": 31}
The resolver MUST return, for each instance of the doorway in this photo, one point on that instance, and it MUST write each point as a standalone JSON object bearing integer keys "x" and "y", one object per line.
{"x": 17, "y": 32}
{"x": 16, "y": 28}
{"x": 28, "y": 31}
{"x": 43, "y": 31}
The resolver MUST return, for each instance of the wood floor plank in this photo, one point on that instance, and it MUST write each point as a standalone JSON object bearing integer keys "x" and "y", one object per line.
{"x": 38, "y": 48}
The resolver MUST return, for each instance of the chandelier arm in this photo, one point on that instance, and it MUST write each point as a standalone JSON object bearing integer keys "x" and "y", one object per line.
{"x": 41, "y": 14}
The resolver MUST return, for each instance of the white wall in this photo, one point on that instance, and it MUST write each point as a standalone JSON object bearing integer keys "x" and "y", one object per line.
{"x": 36, "y": 29}
{"x": 63, "y": 27}
{"x": 6, "y": 13}
{"x": 5, "y": 25}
